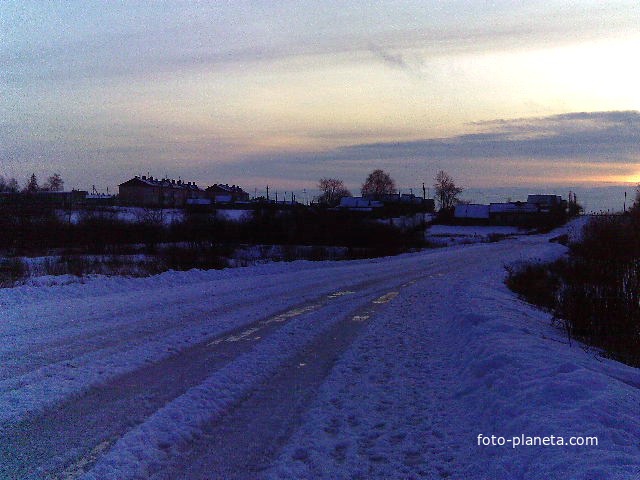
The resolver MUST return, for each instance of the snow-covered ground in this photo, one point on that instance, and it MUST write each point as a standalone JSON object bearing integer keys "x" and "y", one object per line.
{"x": 448, "y": 235}
{"x": 387, "y": 368}
{"x": 166, "y": 216}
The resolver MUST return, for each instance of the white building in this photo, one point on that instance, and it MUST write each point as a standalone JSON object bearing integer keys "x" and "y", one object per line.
{"x": 472, "y": 210}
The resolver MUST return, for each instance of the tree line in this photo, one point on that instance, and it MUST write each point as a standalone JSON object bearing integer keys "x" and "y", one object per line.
{"x": 379, "y": 183}
{"x": 53, "y": 184}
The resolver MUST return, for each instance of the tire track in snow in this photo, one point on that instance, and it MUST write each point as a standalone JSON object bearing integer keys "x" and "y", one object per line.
{"x": 121, "y": 403}
{"x": 238, "y": 438}
{"x": 127, "y": 400}
{"x": 29, "y": 394}
{"x": 72, "y": 429}
{"x": 69, "y": 347}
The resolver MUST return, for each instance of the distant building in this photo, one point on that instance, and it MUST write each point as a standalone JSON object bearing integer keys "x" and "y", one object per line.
{"x": 359, "y": 204}
{"x": 538, "y": 209}
{"x": 153, "y": 192}
{"x": 513, "y": 213}
{"x": 512, "y": 207}
{"x": 400, "y": 200}
{"x": 472, "y": 211}
{"x": 548, "y": 203}
{"x": 220, "y": 193}
{"x": 60, "y": 199}
{"x": 99, "y": 199}
{"x": 544, "y": 199}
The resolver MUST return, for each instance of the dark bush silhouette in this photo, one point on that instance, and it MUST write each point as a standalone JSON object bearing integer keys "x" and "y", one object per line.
{"x": 595, "y": 292}
{"x": 199, "y": 241}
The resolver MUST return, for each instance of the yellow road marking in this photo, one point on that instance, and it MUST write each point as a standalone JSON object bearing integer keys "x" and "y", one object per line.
{"x": 301, "y": 311}
{"x": 292, "y": 313}
{"x": 241, "y": 335}
{"x": 340, "y": 294}
{"x": 277, "y": 319}
{"x": 387, "y": 297}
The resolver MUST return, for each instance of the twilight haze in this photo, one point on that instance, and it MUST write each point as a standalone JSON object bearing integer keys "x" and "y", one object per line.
{"x": 503, "y": 93}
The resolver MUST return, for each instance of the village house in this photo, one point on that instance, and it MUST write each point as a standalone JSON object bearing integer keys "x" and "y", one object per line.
{"x": 161, "y": 193}
{"x": 471, "y": 211}
{"x": 61, "y": 199}
{"x": 403, "y": 202}
{"x": 537, "y": 209}
{"x": 513, "y": 213}
{"x": 359, "y": 204}
{"x": 396, "y": 203}
{"x": 220, "y": 193}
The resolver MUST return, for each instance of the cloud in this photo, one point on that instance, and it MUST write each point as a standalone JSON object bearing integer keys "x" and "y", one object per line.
{"x": 596, "y": 136}
{"x": 129, "y": 40}
{"x": 394, "y": 60}
{"x": 574, "y": 147}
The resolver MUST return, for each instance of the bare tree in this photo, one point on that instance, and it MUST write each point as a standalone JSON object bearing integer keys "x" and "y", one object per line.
{"x": 54, "y": 183}
{"x": 446, "y": 190}
{"x": 635, "y": 207}
{"x": 636, "y": 202}
{"x": 378, "y": 183}
{"x": 12, "y": 186}
{"x": 333, "y": 190}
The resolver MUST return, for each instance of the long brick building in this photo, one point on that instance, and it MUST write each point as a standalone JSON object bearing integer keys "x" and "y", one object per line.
{"x": 154, "y": 192}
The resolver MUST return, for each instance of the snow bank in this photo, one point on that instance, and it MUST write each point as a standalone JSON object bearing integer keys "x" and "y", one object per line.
{"x": 470, "y": 230}
{"x": 410, "y": 398}
{"x": 448, "y": 235}
{"x": 235, "y": 215}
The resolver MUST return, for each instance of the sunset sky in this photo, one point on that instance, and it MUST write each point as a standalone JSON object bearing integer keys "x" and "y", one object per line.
{"x": 282, "y": 93}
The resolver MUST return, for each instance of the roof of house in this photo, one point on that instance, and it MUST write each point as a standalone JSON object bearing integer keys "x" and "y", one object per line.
{"x": 359, "y": 202}
{"x": 164, "y": 182}
{"x": 398, "y": 198}
{"x": 224, "y": 188}
{"x": 513, "y": 207}
{"x": 544, "y": 199}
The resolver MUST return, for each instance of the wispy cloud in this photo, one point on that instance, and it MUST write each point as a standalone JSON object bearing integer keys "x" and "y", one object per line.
{"x": 93, "y": 84}
{"x": 576, "y": 145}
{"x": 109, "y": 41}
{"x": 394, "y": 60}
{"x": 614, "y": 136}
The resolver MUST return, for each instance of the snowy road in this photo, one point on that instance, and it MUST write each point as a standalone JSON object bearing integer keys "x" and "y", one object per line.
{"x": 385, "y": 368}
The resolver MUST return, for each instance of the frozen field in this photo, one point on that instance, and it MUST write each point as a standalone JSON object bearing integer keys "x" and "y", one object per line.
{"x": 385, "y": 369}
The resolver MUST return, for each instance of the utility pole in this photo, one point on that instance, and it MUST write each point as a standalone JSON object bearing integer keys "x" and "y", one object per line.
{"x": 424, "y": 191}
{"x": 267, "y": 193}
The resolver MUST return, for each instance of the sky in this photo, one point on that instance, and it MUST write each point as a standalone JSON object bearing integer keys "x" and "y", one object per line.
{"x": 282, "y": 93}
